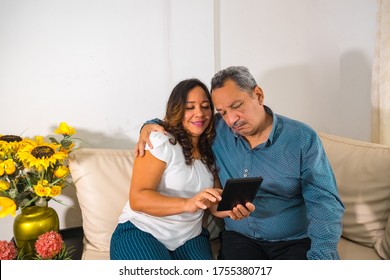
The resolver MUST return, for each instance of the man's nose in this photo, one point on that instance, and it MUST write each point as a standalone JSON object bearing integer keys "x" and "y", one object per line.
{"x": 231, "y": 118}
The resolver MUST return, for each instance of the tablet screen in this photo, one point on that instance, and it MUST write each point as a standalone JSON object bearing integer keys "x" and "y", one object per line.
{"x": 239, "y": 191}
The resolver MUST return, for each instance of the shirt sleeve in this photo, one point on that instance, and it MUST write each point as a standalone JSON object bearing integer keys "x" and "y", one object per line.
{"x": 162, "y": 148}
{"x": 324, "y": 207}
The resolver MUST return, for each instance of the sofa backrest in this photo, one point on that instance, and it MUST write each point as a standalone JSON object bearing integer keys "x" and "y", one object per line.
{"x": 362, "y": 172}
{"x": 102, "y": 178}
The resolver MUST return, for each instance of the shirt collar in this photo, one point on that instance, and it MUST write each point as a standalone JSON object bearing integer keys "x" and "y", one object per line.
{"x": 271, "y": 136}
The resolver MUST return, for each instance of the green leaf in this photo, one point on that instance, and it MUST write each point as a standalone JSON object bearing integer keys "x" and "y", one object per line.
{"x": 53, "y": 140}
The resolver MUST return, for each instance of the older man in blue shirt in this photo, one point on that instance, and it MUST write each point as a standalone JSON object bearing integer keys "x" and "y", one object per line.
{"x": 297, "y": 211}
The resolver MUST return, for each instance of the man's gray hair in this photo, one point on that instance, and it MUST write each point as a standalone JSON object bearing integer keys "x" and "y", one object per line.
{"x": 239, "y": 74}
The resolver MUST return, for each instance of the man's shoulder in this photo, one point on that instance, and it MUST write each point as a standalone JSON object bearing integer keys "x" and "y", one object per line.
{"x": 218, "y": 121}
{"x": 294, "y": 123}
{"x": 292, "y": 128}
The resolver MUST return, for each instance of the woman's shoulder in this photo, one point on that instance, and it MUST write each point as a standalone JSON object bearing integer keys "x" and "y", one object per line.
{"x": 163, "y": 149}
{"x": 158, "y": 139}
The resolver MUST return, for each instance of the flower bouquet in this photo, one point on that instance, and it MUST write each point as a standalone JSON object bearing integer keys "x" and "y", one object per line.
{"x": 49, "y": 246}
{"x": 32, "y": 172}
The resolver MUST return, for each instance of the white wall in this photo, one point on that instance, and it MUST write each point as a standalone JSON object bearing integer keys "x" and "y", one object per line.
{"x": 107, "y": 66}
{"x": 313, "y": 59}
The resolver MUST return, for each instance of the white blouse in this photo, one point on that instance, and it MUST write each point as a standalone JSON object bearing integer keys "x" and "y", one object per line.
{"x": 178, "y": 180}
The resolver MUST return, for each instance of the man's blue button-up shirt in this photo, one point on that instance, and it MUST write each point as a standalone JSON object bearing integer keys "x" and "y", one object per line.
{"x": 298, "y": 197}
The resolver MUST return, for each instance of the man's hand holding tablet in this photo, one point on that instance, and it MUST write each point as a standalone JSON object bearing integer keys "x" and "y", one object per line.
{"x": 239, "y": 191}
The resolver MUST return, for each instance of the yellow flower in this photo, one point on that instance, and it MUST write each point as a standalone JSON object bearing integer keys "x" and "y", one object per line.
{"x": 44, "y": 183}
{"x": 55, "y": 190}
{"x": 41, "y": 190}
{"x": 8, "y": 166}
{"x": 40, "y": 154}
{"x": 64, "y": 129}
{"x": 10, "y": 143}
{"x": 61, "y": 171}
{"x": 7, "y": 207}
{"x": 4, "y": 185}
{"x": 33, "y": 171}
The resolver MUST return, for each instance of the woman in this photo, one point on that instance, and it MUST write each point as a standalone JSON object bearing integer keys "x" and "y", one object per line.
{"x": 172, "y": 184}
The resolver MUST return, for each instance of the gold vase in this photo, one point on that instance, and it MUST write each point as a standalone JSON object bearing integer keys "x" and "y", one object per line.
{"x": 30, "y": 224}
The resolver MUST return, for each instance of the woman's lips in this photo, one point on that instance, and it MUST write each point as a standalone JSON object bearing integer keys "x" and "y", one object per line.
{"x": 198, "y": 123}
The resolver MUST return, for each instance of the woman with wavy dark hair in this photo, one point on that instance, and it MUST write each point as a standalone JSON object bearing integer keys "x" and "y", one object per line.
{"x": 172, "y": 184}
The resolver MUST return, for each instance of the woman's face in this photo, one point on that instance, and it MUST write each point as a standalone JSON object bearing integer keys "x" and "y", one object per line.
{"x": 198, "y": 113}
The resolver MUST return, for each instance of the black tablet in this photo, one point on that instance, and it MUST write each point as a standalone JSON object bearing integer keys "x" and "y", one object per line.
{"x": 239, "y": 191}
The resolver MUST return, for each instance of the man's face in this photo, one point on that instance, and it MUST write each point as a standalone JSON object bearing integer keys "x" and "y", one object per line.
{"x": 240, "y": 111}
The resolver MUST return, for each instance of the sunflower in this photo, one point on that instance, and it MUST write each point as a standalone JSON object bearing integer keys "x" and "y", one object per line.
{"x": 10, "y": 143}
{"x": 40, "y": 155}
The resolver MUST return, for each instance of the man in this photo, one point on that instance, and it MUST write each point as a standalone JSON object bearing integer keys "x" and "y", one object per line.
{"x": 297, "y": 211}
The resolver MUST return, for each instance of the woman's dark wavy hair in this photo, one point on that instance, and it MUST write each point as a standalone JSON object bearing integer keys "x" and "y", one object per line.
{"x": 172, "y": 123}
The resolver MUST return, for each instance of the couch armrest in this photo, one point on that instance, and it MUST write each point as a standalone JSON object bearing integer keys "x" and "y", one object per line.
{"x": 363, "y": 179}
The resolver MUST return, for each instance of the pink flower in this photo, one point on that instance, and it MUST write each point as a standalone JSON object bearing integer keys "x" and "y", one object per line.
{"x": 7, "y": 250}
{"x": 49, "y": 244}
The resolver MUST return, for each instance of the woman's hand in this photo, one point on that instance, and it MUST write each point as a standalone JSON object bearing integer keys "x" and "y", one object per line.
{"x": 203, "y": 200}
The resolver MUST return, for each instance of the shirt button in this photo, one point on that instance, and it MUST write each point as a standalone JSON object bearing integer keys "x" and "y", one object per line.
{"x": 246, "y": 170}
{"x": 245, "y": 175}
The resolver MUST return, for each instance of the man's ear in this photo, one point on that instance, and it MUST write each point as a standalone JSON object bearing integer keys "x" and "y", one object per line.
{"x": 258, "y": 93}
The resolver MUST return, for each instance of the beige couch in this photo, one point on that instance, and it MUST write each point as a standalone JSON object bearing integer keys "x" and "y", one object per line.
{"x": 362, "y": 171}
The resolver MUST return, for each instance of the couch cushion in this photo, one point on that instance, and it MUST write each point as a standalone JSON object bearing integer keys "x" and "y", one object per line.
{"x": 384, "y": 249}
{"x": 91, "y": 254}
{"x": 349, "y": 250}
{"x": 102, "y": 178}
{"x": 362, "y": 174}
